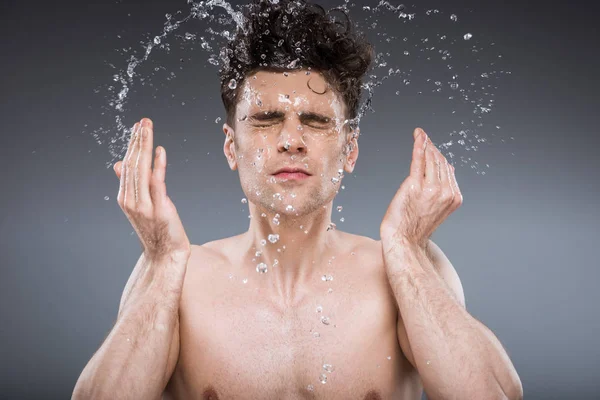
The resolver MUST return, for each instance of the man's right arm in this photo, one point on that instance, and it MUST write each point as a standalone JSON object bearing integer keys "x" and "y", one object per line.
{"x": 139, "y": 354}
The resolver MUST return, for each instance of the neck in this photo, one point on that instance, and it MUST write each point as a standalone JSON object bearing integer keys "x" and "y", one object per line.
{"x": 302, "y": 245}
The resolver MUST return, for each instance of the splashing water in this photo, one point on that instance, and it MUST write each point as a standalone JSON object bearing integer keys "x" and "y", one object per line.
{"x": 475, "y": 90}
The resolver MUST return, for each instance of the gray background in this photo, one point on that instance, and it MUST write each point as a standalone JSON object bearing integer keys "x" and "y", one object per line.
{"x": 524, "y": 242}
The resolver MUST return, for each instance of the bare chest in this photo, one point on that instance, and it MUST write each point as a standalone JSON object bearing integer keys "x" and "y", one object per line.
{"x": 338, "y": 342}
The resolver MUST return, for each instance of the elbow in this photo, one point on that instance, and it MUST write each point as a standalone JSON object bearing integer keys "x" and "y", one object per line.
{"x": 515, "y": 392}
{"x": 512, "y": 386}
{"x": 494, "y": 390}
{"x": 509, "y": 391}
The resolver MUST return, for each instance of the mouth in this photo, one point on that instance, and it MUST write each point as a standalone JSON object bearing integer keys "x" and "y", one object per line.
{"x": 291, "y": 174}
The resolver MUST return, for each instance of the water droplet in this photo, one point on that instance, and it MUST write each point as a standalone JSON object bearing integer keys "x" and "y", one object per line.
{"x": 389, "y": 357}
{"x": 156, "y": 40}
{"x": 319, "y": 309}
{"x": 428, "y": 362}
{"x": 454, "y": 18}
{"x": 244, "y": 201}
{"x": 106, "y": 198}
{"x": 273, "y": 238}
{"x": 331, "y": 226}
{"x": 330, "y": 290}
{"x": 325, "y": 320}
{"x": 323, "y": 378}
{"x": 275, "y": 262}
{"x": 258, "y": 253}
{"x": 217, "y": 120}
{"x": 289, "y": 208}
{"x": 262, "y": 268}
{"x": 316, "y": 334}
{"x": 232, "y": 84}
{"x": 328, "y": 367}
{"x": 340, "y": 208}
{"x": 334, "y": 180}
{"x": 467, "y": 36}
{"x": 245, "y": 281}
{"x": 342, "y": 219}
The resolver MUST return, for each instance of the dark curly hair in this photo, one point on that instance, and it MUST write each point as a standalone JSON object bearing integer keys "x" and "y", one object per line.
{"x": 293, "y": 34}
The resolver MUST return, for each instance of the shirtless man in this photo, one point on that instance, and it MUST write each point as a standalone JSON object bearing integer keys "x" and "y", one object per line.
{"x": 294, "y": 308}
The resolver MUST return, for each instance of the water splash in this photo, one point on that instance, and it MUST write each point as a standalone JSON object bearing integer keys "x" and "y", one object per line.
{"x": 467, "y": 87}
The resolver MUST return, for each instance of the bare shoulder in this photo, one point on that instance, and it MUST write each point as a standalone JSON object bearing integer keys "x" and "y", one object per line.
{"x": 366, "y": 249}
{"x": 215, "y": 250}
{"x": 366, "y": 255}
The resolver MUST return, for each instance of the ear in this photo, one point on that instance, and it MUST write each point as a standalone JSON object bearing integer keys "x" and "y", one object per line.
{"x": 229, "y": 147}
{"x": 352, "y": 154}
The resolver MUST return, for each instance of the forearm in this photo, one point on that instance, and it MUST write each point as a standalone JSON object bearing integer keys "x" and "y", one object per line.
{"x": 456, "y": 355}
{"x": 132, "y": 361}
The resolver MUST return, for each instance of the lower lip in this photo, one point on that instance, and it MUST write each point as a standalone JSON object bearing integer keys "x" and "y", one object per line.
{"x": 292, "y": 175}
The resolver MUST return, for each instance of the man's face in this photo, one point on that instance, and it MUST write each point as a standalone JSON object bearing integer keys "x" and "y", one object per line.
{"x": 290, "y": 120}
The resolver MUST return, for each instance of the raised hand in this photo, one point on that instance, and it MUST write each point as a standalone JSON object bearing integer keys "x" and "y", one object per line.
{"x": 143, "y": 196}
{"x": 425, "y": 199}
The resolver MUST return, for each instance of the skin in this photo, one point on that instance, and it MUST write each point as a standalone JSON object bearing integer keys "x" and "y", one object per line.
{"x": 247, "y": 335}
{"x": 270, "y": 325}
{"x": 257, "y": 148}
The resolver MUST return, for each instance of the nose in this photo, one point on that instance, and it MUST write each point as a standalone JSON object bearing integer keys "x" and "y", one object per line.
{"x": 291, "y": 138}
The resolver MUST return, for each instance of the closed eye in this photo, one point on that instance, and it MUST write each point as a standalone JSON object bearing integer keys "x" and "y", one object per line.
{"x": 267, "y": 116}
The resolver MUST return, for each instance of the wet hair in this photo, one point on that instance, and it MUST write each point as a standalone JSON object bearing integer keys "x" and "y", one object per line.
{"x": 285, "y": 35}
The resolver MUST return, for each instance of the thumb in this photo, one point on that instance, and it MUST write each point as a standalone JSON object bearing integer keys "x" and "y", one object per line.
{"x": 416, "y": 133}
{"x": 117, "y": 168}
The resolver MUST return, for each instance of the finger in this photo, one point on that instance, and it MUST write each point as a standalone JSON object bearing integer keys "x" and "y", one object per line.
{"x": 431, "y": 169}
{"x": 417, "y": 166}
{"x": 158, "y": 188}
{"x": 129, "y": 171}
{"x": 143, "y": 168}
{"x": 443, "y": 171}
{"x": 122, "y": 170}
{"x": 457, "y": 193}
{"x": 117, "y": 169}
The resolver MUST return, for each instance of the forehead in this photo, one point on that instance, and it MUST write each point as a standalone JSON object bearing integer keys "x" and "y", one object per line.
{"x": 295, "y": 89}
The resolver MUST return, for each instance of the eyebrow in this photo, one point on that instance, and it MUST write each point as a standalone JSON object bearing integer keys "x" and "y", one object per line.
{"x": 304, "y": 116}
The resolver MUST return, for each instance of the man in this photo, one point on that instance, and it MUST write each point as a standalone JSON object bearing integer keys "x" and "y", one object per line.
{"x": 294, "y": 308}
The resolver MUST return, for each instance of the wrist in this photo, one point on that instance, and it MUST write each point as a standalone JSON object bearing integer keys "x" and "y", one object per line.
{"x": 168, "y": 257}
{"x": 399, "y": 246}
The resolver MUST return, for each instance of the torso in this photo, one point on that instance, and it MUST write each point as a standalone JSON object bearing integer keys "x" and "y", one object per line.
{"x": 234, "y": 344}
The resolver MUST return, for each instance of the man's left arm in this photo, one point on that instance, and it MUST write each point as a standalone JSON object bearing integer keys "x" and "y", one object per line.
{"x": 457, "y": 356}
